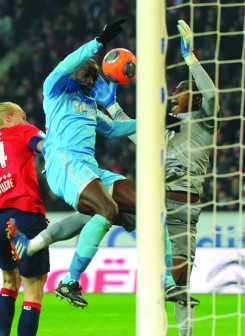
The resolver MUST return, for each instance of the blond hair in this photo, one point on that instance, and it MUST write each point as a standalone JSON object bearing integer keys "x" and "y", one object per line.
{"x": 7, "y": 107}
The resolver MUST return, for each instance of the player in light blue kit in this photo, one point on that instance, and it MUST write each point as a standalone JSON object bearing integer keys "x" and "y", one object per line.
{"x": 72, "y": 120}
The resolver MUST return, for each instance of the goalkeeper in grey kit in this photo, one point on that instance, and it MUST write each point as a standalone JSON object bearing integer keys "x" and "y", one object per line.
{"x": 186, "y": 168}
{"x": 185, "y": 171}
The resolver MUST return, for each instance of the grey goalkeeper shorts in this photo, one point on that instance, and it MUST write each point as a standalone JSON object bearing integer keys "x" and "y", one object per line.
{"x": 182, "y": 219}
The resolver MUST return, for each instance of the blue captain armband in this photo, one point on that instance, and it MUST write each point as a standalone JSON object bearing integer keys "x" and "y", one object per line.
{"x": 34, "y": 141}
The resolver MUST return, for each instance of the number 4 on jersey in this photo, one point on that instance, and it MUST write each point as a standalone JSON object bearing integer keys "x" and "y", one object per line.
{"x": 3, "y": 157}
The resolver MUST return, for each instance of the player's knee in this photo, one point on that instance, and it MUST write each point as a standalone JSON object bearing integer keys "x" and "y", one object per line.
{"x": 104, "y": 206}
{"x": 181, "y": 271}
{"x": 11, "y": 280}
{"x": 11, "y": 284}
{"x": 109, "y": 209}
{"x": 34, "y": 287}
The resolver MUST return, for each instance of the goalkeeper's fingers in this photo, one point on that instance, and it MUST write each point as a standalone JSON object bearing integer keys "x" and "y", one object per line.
{"x": 113, "y": 88}
{"x": 101, "y": 81}
{"x": 99, "y": 88}
{"x": 185, "y": 26}
{"x": 185, "y": 32}
{"x": 182, "y": 34}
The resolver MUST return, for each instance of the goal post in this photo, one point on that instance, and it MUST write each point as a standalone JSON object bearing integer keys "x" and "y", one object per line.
{"x": 219, "y": 44}
{"x": 151, "y": 34}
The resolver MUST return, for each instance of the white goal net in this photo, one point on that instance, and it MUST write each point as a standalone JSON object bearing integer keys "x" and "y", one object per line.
{"x": 219, "y": 45}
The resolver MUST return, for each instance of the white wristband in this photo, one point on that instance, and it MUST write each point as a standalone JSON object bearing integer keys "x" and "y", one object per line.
{"x": 114, "y": 108}
{"x": 191, "y": 59}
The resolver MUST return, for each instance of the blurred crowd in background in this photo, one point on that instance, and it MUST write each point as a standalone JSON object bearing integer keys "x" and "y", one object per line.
{"x": 36, "y": 35}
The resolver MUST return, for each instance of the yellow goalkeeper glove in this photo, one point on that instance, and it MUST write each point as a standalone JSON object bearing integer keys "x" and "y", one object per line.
{"x": 186, "y": 42}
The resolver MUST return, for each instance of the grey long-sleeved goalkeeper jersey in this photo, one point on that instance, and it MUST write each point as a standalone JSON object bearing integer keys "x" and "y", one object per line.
{"x": 189, "y": 150}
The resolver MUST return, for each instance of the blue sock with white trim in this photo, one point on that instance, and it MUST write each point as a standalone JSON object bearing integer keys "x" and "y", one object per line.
{"x": 29, "y": 319}
{"x": 7, "y": 309}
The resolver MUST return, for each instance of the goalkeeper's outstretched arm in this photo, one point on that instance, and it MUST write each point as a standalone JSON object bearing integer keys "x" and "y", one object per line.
{"x": 210, "y": 102}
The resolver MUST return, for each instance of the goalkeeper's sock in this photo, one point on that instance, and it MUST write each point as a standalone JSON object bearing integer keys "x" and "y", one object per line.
{"x": 184, "y": 316}
{"x": 66, "y": 228}
{"x": 7, "y": 309}
{"x": 169, "y": 281}
{"x": 88, "y": 244}
{"x": 29, "y": 318}
{"x": 36, "y": 244}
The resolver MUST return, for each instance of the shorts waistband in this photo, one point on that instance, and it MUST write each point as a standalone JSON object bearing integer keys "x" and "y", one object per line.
{"x": 182, "y": 196}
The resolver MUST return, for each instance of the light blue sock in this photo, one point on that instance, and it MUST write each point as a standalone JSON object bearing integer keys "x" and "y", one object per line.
{"x": 88, "y": 244}
{"x": 169, "y": 281}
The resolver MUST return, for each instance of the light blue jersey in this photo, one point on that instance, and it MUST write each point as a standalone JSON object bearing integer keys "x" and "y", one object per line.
{"x": 72, "y": 120}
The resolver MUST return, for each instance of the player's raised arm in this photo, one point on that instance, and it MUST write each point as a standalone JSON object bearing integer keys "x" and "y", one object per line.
{"x": 115, "y": 128}
{"x": 204, "y": 83}
{"x": 105, "y": 95}
{"x": 57, "y": 79}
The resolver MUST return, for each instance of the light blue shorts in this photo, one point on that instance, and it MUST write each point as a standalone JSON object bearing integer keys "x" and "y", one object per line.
{"x": 67, "y": 177}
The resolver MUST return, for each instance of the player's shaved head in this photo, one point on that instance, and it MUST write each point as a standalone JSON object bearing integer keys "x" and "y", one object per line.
{"x": 9, "y": 109}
